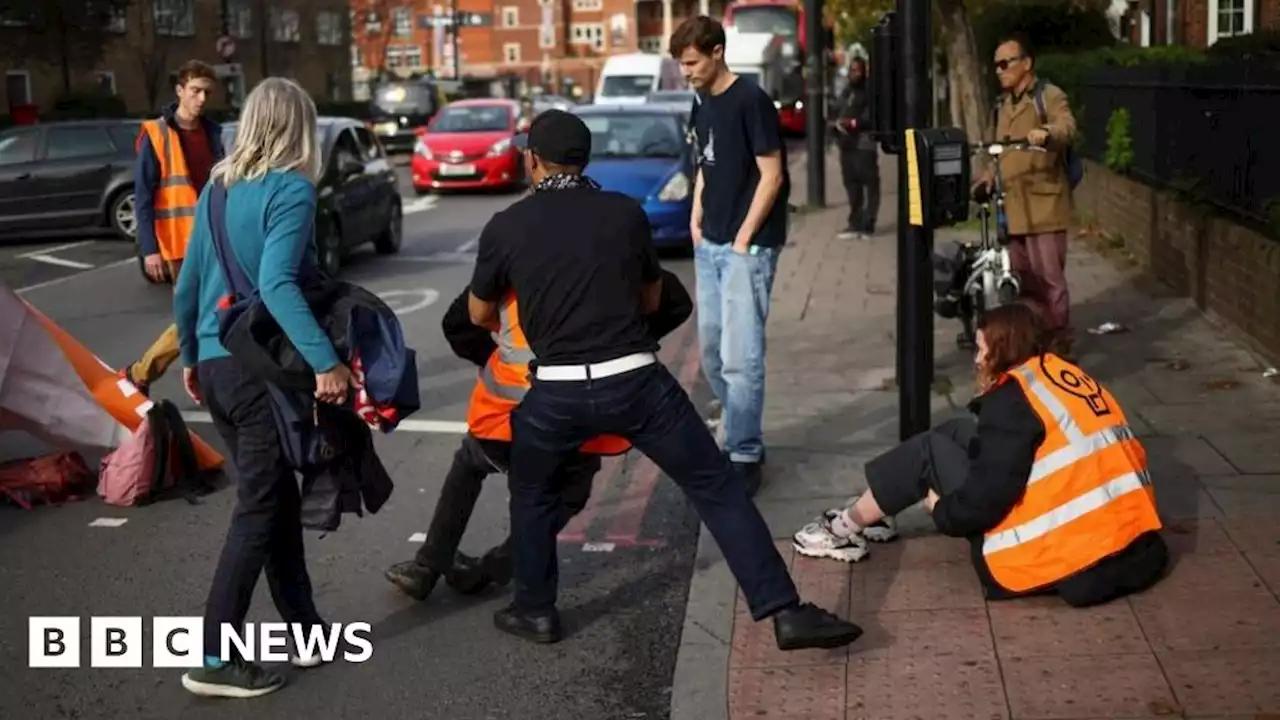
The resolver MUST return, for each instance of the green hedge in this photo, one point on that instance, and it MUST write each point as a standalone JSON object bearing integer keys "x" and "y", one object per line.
{"x": 1067, "y": 70}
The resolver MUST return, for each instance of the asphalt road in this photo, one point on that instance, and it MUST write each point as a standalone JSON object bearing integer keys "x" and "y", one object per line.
{"x": 625, "y": 565}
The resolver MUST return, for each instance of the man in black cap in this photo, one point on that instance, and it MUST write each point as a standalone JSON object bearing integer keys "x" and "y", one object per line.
{"x": 584, "y": 271}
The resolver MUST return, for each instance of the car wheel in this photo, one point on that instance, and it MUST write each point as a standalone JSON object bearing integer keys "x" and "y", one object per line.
{"x": 122, "y": 214}
{"x": 329, "y": 248}
{"x": 388, "y": 243}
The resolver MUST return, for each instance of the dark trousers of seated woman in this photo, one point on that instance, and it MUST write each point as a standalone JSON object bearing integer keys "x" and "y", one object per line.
{"x": 475, "y": 460}
{"x": 266, "y": 524}
{"x": 938, "y": 459}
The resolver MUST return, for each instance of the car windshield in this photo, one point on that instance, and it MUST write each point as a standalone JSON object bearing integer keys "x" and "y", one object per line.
{"x": 766, "y": 19}
{"x": 480, "y": 118}
{"x": 635, "y": 135}
{"x": 626, "y": 85}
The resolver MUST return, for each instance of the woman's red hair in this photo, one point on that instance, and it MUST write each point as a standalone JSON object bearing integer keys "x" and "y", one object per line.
{"x": 1013, "y": 336}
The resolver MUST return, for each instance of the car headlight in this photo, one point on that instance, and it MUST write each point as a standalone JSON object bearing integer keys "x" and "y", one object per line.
{"x": 676, "y": 189}
{"x": 777, "y": 105}
{"x": 420, "y": 148}
{"x": 799, "y": 104}
{"x": 500, "y": 147}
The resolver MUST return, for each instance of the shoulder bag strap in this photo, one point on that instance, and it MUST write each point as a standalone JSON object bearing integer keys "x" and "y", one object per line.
{"x": 237, "y": 282}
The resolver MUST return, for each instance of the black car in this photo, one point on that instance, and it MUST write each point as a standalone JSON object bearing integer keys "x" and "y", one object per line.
{"x": 358, "y": 192}
{"x": 399, "y": 108}
{"x": 67, "y": 176}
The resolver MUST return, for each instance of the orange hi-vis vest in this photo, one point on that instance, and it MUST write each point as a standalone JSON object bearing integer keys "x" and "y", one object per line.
{"x": 1089, "y": 495}
{"x": 176, "y": 197}
{"x": 503, "y": 382}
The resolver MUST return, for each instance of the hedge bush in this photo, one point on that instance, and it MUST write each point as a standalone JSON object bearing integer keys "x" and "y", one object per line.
{"x": 1067, "y": 70}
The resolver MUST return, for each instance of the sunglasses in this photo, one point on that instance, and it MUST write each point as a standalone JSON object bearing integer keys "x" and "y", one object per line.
{"x": 1002, "y": 65}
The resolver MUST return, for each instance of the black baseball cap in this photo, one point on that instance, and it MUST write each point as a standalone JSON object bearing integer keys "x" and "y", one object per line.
{"x": 558, "y": 137}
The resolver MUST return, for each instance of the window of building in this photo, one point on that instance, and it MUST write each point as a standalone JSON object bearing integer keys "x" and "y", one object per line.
{"x": 286, "y": 26}
{"x": 240, "y": 18}
{"x": 70, "y": 141}
{"x": 546, "y": 37}
{"x": 17, "y": 85}
{"x": 18, "y": 147}
{"x": 393, "y": 57}
{"x": 357, "y": 56}
{"x": 588, "y": 34}
{"x": 412, "y": 57}
{"x": 372, "y": 22}
{"x": 328, "y": 28}
{"x": 107, "y": 81}
{"x": 118, "y": 21}
{"x": 588, "y": 5}
{"x": 175, "y": 17}
{"x": 510, "y": 17}
{"x": 402, "y": 21}
{"x": 651, "y": 44}
{"x": 511, "y": 52}
{"x": 1228, "y": 18}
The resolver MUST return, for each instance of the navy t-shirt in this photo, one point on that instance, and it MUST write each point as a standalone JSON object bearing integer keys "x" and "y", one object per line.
{"x": 732, "y": 129}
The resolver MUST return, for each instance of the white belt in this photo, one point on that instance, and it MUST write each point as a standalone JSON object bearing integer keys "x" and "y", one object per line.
{"x": 595, "y": 371}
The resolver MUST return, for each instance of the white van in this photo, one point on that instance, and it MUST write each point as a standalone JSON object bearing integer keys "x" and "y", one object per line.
{"x": 628, "y": 79}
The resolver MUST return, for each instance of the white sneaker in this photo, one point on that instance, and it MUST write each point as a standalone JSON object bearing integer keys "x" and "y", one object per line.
{"x": 306, "y": 661}
{"x": 818, "y": 540}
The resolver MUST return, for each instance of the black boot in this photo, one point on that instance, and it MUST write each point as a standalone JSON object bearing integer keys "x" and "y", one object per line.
{"x": 806, "y": 625}
{"x": 413, "y": 579}
{"x": 467, "y": 576}
{"x": 496, "y": 564}
{"x": 534, "y": 627}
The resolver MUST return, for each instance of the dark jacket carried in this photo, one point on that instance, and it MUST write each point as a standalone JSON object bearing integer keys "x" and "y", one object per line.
{"x": 854, "y": 104}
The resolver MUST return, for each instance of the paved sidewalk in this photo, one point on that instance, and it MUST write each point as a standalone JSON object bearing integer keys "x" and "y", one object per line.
{"x": 1203, "y": 643}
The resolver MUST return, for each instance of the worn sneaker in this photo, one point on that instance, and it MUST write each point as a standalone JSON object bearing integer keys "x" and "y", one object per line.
{"x": 235, "y": 679}
{"x": 818, "y": 540}
{"x": 848, "y": 234}
{"x": 415, "y": 580}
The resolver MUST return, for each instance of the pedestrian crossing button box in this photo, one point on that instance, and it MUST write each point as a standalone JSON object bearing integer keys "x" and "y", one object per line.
{"x": 941, "y": 167}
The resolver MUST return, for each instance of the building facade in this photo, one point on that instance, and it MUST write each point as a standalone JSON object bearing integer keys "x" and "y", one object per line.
{"x": 307, "y": 40}
{"x": 556, "y": 46}
{"x": 1198, "y": 23}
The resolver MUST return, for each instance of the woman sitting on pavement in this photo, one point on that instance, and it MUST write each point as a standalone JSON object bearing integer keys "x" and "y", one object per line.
{"x": 1049, "y": 485}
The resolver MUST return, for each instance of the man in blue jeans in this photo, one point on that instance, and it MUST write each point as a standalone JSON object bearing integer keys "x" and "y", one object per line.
{"x": 739, "y": 225}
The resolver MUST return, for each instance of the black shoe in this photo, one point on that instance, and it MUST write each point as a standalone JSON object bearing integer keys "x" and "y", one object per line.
{"x": 413, "y": 578}
{"x": 539, "y": 628}
{"x": 497, "y": 565}
{"x": 466, "y": 577}
{"x": 807, "y": 626}
{"x": 751, "y": 475}
{"x": 236, "y": 679}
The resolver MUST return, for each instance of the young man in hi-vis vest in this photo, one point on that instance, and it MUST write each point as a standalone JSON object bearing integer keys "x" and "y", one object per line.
{"x": 176, "y": 151}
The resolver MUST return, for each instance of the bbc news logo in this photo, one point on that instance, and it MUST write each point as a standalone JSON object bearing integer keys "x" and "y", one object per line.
{"x": 178, "y": 642}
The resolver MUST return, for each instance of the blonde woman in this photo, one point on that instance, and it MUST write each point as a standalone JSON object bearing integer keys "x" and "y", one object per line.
{"x": 270, "y": 178}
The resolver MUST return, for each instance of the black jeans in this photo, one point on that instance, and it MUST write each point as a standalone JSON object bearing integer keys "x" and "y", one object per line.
{"x": 860, "y": 171}
{"x": 648, "y": 407}
{"x": 937, "y": 459}
{"x": 266, "y": 524}
{"x": 475, "y": 460}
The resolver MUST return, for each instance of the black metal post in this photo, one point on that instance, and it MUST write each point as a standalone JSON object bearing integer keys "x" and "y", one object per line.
{"x": 815, "y": 95}
{"x": 263, "y": 41}
{"x": 915, "y": 242}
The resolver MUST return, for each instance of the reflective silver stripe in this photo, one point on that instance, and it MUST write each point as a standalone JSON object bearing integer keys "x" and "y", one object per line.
{"x": 1066, "y": 512}
{"x": 175, "y": 213}
{"x": 175, "y": 181}
{"x": 507, "y": 349}
{"x": 1055, "y": 407}
{"x": 1076, "y": 451}
{"x": 502, "y": 390}
{"x": 163, "y": 129}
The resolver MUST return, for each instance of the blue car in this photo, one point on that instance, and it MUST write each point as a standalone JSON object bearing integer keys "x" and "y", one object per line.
{"x": 641, "y": 151}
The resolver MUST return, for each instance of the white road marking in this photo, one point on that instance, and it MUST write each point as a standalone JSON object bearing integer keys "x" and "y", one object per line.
{"x": 404, "y": 302}
{"x": 64, "y": 278}
{"x": 469, "y": 246}
{"x": 598, "y": 547}
{"x": 418, "y": 205}
{"x": 57, "y": 248}
{"x": 418, "y": 537}
{"x": 109, "y": 522}
{"x": 432, "y": 427}
{"x": 61, "y": 262}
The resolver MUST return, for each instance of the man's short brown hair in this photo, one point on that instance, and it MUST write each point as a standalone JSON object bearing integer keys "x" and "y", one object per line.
{"x": 701, "y": 33}
{"x": 196, "y": 69}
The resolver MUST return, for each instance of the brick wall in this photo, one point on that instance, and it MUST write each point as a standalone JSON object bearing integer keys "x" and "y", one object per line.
{"x": 1227, "y": 269}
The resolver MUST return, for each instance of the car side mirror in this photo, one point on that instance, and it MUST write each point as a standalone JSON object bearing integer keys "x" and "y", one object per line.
{"x": 349, "y": 167}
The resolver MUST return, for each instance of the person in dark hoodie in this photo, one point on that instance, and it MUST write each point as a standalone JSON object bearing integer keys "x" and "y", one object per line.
{"x": 175, "y": 153}
{"x": 859, "y": 159}
{"x": 486, "y": 448}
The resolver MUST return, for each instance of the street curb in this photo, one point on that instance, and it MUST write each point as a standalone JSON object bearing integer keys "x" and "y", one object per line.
{"x": 700, "y": 686}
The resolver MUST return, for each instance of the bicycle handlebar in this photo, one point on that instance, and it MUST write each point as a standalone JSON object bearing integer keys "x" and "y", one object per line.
{"x": 999, "y": 147}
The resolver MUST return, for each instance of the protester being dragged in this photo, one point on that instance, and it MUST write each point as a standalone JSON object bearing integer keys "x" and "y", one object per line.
{"x": 486, "y": 448}
{"x": 1049, "y": 485}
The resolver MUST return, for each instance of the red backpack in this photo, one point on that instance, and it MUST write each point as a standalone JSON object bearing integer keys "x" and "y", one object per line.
{"x": 156, "y": 462}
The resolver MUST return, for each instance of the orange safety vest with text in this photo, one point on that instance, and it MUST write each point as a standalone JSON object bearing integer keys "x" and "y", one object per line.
{"x": 1089, "y": 495}
{"x": 175, "y": 196}
{"x": 503, "y": 382}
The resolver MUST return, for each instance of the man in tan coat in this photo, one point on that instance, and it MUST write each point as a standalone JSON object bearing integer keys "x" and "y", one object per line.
{"x": 1037, "y": 190}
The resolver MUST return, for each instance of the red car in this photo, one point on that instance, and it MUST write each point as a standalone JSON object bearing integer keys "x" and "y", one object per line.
{"x": 468, "y": 145}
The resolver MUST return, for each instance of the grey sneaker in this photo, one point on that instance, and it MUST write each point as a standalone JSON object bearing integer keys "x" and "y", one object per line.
{"x": 235, "y": 679}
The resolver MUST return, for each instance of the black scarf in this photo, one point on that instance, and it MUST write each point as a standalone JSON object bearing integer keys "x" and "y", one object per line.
{"x": 565, "y": 181}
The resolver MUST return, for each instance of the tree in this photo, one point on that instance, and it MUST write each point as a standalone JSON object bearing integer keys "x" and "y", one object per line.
{"x": 155, "y": 41}
{"x": 967, "y": 89}
{"x": 75, "y": 31}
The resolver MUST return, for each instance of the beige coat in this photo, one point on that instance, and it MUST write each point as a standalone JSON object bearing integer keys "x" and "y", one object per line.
{"x": 1037, "y": 193}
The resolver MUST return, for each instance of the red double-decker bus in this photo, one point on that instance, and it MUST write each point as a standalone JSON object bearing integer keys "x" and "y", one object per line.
{"x": 784, "y": 18}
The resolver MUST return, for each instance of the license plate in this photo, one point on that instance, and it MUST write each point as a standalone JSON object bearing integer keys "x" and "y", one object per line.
{"x": 387, "y": 128}
{"x": 457, "y": 169}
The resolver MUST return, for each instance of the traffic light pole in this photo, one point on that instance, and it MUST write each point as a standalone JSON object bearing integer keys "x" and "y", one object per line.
{"x": 815, "y": 91}
{"x": 915, "y": 242}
